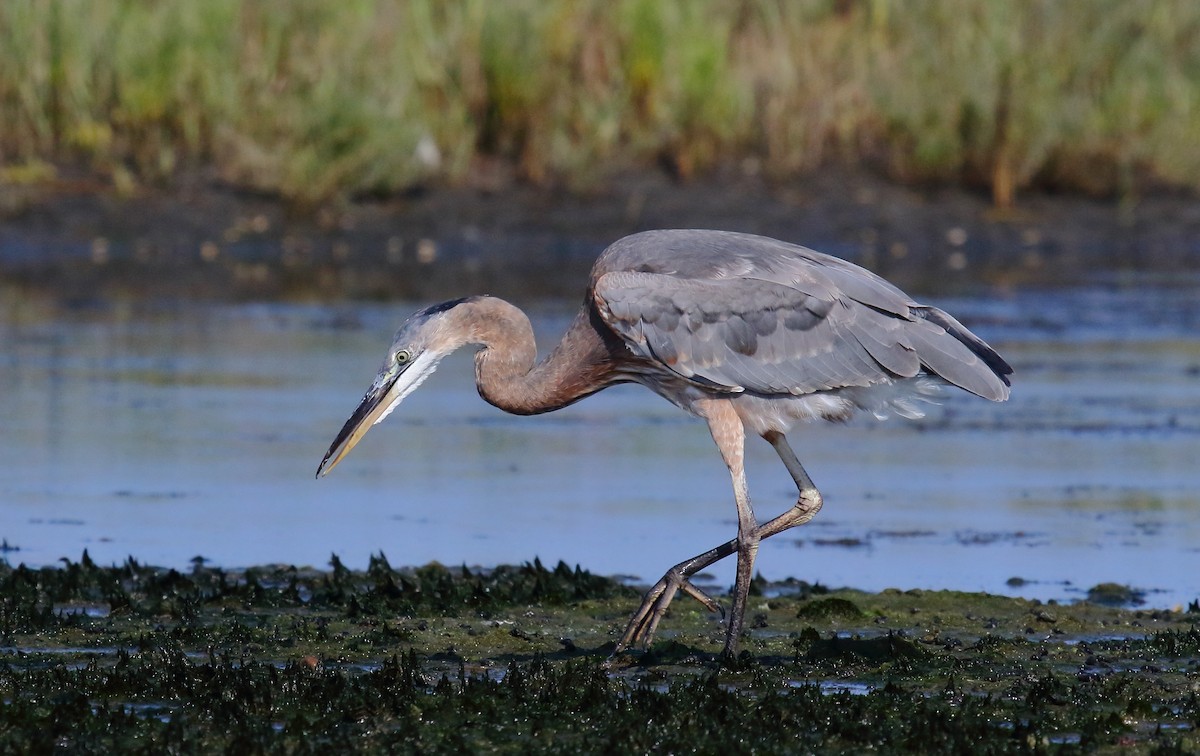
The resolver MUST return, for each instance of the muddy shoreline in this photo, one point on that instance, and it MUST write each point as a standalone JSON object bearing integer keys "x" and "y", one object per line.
{"x": 77, "y": 241}
{"x": 433, "y": 659}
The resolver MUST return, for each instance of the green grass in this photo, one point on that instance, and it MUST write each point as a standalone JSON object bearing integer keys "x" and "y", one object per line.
{"x": 322, "y": 101}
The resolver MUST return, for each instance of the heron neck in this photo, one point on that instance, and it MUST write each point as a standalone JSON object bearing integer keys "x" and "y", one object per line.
{"x": 505, "y": 369}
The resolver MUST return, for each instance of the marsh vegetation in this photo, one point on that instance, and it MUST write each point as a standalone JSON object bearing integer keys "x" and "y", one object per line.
{"x": 514, "y": 659}
{"x": 322, "y": 101}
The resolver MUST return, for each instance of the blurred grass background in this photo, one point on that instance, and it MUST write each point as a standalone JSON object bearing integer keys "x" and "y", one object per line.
{"x": 320, "y": 101}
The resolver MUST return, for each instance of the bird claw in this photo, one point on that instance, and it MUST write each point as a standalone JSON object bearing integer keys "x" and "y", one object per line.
{"x": 644, "y": 622}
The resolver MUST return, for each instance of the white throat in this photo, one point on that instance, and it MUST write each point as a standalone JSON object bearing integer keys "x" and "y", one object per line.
{"x": 414, "y": 376}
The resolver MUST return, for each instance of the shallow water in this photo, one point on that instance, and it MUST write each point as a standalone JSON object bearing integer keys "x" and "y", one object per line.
{"x": 167, "y": 433}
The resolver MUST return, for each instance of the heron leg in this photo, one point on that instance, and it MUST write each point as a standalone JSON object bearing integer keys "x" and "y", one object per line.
{"x": 729, "y": 435}
{"x": 644, "y": 622}
{"x": 809, "y": 501}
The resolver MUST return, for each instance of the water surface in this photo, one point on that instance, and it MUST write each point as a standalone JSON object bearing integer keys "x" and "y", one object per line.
{"x": 166, "y": 433}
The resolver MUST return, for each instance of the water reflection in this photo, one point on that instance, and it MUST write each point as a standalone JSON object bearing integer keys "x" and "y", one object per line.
{"x": 166, "y": 433}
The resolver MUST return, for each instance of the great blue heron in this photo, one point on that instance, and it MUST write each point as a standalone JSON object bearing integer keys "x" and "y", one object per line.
{"x": 749, "y": 333}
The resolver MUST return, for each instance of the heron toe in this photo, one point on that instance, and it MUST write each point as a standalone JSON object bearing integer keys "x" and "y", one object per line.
{"x": 644, "y": 622}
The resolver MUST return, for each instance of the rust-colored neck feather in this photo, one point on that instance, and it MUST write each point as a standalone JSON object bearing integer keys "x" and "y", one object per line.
{"x": 505, "y": 372}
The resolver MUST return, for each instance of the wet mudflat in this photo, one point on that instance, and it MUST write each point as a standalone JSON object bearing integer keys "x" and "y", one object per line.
{"x": 523, "y": 242}
{"x": 133, "y": 657}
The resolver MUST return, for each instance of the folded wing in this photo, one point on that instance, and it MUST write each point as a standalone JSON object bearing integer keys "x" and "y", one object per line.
{"x": 792, "y": 331}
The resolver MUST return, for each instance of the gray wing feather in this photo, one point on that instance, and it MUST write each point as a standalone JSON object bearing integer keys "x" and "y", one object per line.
{"x": 958, "y": 355}
{"x": 952, "y": 360}
{"x": 736, "y": 333}
{"x": 882, "y": 337}
{"x": 740, "y": 312}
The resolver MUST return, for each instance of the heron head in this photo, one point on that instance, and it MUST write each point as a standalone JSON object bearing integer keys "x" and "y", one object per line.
{"x": 419, "y": 345}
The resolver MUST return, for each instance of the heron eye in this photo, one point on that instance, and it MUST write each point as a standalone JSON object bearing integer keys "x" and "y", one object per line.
{"x": 402, "y": 357}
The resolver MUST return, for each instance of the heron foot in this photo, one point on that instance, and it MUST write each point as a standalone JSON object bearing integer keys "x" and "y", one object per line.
{"x": 644, "y": 622}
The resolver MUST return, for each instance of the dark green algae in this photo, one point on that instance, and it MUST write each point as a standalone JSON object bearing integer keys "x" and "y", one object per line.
{"x": 514, "y": 659}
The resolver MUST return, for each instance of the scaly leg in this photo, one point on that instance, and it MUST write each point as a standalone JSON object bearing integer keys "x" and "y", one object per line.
{"x": 808, "y": 501}
{"x": 729, "y": 435}
{"x": 644, "y": 622}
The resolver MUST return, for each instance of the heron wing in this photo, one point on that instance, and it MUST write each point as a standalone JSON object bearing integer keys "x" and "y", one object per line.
{"x": 743, "y": 312}
{"x": 770, "y": 338}
{"x": 751, "y": 334}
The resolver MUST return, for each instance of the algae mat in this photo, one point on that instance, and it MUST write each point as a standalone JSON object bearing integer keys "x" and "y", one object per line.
{"x": 135, "y": 658}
